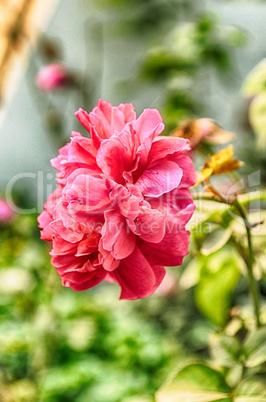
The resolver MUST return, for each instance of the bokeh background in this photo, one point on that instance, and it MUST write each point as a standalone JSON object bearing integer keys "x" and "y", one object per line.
{"x": 188, "y": 59}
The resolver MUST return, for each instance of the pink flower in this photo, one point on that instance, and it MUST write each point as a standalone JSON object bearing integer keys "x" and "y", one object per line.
{"x": 6, "y": 213}
{"x": 122, "y": 202}
{"x": 52, "y": 77}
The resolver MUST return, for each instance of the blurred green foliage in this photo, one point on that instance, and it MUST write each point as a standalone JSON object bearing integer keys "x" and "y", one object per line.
{"x": 235, "y": 374}
{"x": 150, "y": 16}
{"x": 190, "y": 50}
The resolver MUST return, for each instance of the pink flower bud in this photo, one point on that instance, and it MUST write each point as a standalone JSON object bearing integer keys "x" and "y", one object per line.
{"x": 209, "y": 132}
{"x": 202, "y": 131}
{"x": 52, "y": 77}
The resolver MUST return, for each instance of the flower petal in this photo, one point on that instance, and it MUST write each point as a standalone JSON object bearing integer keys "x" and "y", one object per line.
{"x": 82, "y": 281}
{"x": 44, "y": 220}
{"x": 85, "y": 193}
{"x": 171, "y": 250}
{"x": 137, "y": 276}
{"x": 84, "y": 118}
{"x": 115, "y": 156}
{"x": 150, "y": 225}
{"x": 106, "y": 119}
{"x": 62, "y": 246}
{"x": 150, "y": 121}
{"x": 172, "y": 203}
{"x": 189, "y": 177}
{"x": 126, "y": 199}
{"x": 67, "y": 234}
{"x": 108, "y": 262}
{"x": 117, "y": 238}
{"x": 88, "y": 245}
{"x": 165, "y": 146}
{"x": 159, "y": 179}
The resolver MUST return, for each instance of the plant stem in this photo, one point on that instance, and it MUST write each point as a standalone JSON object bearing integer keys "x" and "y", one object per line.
{"x": 253, "y": 287}
{"x": 249, "y": 259}
{"x": 244, "y": 199}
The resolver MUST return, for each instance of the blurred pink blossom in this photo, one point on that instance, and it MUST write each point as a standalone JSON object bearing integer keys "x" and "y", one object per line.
{"x": 52, "y": 77}
{"x": 203, "y": 131}
{"x": 6, "y": 213}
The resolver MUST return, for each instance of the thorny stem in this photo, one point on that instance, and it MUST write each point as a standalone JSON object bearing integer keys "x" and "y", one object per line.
{"x": 256, "y": 196}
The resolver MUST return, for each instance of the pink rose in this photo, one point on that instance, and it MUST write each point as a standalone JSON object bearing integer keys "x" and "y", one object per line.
{"x": 122, "y": 202}
{"x": 52, "y": 77}
{"x": 6, "y": 213}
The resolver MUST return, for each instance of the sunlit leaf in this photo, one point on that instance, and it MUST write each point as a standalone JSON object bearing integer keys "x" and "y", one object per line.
{"x": 234, "y": 374}
{"x": 15, "y": 280}
{"x": 182, "y": 41}
{"x": 255, "y": 340}
{"x": 257, "y": 357}
{"x": 225, "y": 350}
{"x": 191, "y": 275}
{"x": 252, "y": 389}
{"x": 196, "y": 382}
{"x": 255, "y": 348}
{"x": 219, "y": 276}
{"x": 249, "y": 399}
{"x": 22, "y": 390}
{"x": 257, "y": 117}
{"x": 257, "y": 222}
{"x": 235, "y": 37}
{"x": 215, "y": 240}
{"x": 255, "y": 82}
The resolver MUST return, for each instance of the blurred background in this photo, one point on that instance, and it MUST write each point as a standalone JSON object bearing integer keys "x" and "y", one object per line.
{"x": 187, "y": 58}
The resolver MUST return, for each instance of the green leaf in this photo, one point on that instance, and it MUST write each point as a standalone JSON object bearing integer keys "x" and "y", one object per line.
{"x": 250, "y": 399}
{"x": 234, "y": 375}
{"x": 215, "y": 240}
{"x": 257, "y": 221}
{"x": 196, "y": 382}
{"x": 225, "y": 350}
{"x": 257, "y": 357}
{"x": 191, "y": 274}
{"x": 255, "y": 82}
{"x": 257, "y": 117}
{"x": 183, "y": 42}
{"x": 252, "y": 389}
{"x": 255, "y": 348}
{"x": 235, "y": 37}
{"x": 219, "y": 277}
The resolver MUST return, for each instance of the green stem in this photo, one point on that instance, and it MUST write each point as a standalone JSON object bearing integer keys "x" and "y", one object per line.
{"x": 249, "y": 259}
{"x": 244, "y": 199}
{"x": 253, "y": 286}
